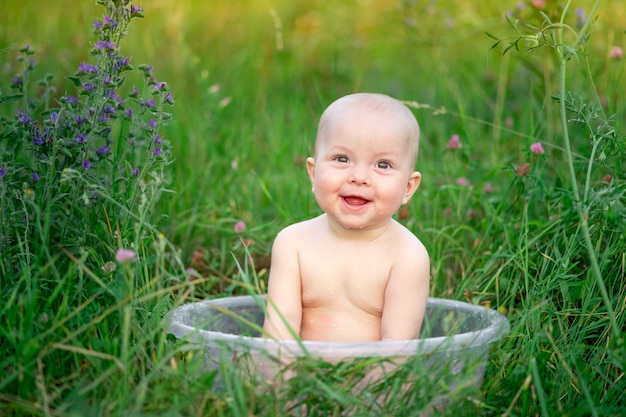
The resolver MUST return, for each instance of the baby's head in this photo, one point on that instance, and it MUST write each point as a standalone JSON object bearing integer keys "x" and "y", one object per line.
{"x": 370, "y": 108}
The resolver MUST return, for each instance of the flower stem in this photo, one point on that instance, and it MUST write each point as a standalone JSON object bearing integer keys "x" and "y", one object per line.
{"x": 583, "y": 214}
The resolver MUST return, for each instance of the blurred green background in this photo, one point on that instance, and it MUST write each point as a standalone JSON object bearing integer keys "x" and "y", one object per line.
{"x": 250, "y": 79}
{"x": 280, "y": 63}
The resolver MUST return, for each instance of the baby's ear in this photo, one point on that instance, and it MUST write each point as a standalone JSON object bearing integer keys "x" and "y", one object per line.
{"x": 310, "y": 168}
{"x": 411, "y": 186}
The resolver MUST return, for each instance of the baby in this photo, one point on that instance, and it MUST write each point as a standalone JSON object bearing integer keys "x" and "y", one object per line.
{"x": 354, "y": 274}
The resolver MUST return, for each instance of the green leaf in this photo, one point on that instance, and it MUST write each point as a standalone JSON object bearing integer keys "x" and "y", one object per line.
{"x": 511, "y": 45}
{"x": 545, "y": 17}
{"x": 75, "y": 80}
{"x": 10, "y": 97}
{"x": 495, "y": 45}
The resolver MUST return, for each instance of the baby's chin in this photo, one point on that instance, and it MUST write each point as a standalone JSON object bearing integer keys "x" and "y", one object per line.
{"x": 360, "y": 226}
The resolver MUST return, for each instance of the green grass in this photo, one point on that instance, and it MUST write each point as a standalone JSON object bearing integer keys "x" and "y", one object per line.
{"x": 540, "y": 247}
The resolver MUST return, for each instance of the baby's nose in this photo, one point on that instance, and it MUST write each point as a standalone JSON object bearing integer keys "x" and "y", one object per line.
{"x": 360, "y": 174}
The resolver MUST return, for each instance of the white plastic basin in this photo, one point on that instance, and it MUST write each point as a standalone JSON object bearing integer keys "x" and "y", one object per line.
{"x": 453, "y": 332}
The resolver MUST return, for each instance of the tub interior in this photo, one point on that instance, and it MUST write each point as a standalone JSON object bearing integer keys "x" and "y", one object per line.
{"x": 243, "y": 316}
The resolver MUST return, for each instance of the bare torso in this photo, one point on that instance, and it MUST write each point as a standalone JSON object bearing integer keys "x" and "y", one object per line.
{"x": 355, "y": 287}
{"x": 343, "y": 284}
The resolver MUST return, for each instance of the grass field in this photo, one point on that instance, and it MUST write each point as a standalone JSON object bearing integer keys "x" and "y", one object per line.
{"x": 535, "y": 231}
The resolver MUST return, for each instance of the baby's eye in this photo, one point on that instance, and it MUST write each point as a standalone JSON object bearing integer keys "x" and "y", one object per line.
{"x": 383, "y": 165}
{"x": 342, "y": 159}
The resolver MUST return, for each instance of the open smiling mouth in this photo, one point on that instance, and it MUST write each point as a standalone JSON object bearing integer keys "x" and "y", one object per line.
{"x": 355, "y": 201}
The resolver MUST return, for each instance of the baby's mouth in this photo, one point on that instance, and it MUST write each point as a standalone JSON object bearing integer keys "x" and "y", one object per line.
{"x": 355, "y": 201}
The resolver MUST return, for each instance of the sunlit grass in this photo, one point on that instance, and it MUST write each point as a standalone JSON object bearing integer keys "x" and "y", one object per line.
{"x": 250, "y": 80}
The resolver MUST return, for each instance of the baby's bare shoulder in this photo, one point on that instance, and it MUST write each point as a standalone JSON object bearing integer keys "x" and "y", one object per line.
{"x": 411, "y": 262}
{"x": 297, "y": 232}
{"x": 404, "y": 241}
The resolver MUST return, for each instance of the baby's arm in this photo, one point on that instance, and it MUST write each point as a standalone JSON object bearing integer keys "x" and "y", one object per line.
{"x": 284, "y": 295}
{"x": 406, "y": 295}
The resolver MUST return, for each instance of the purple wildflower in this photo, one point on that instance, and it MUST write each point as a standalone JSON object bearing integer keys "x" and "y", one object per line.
{"x": 135, "y": 172}
{"x": 79, "y": 120}
{"x": 105, "y": 45}
{"x": 110, "y": 22}
{"x": 86, "y": 68}
{"x": 23, "y": 117}
{"x": 80, "y": 138}
{"x": 111, "y": 94}
{"x": 169, "y": 99}
{"x": 89, "y": 87}
{"x": 135, "y": 10}
{"x": 157, "y": 151}
{"x": 103, "y": 150}
{"x": 158, "y": 139}
{"x": 97, "y": 25}
{"x": 37, "y": 137}
{"x": 129, "y": 113}
{"x": 122, "y": 64}
{"x": 152, "y": 123}
{"x": 17, "y": 82}
{"x": 581, "y": 19}
{"x": 35, "y": 177}
{"x": 3, "y": 172}
{"x": 70, "y": 99}
{"x": 54, "y": 116}
{"x": 149, "y": 103}
{"x": 86, "y": 164}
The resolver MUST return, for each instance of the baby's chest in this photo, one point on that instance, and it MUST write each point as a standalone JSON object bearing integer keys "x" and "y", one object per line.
{"x": 336, "y": 280}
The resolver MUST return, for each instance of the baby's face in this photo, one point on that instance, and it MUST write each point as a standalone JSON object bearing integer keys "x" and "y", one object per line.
{"x": 363, "y": 168}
